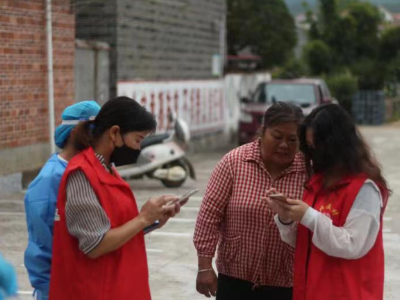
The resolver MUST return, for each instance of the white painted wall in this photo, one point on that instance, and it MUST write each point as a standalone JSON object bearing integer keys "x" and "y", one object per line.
{"x": 199, "y": 102}
{"x": 238, "y": 86}
{"x": 206, "y": 105}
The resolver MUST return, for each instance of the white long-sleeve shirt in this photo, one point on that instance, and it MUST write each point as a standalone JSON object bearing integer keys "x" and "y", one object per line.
{"x": 355, "y": 238}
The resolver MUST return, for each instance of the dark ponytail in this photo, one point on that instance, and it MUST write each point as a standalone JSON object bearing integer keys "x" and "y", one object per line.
{"x": 121, "y": 111}
{"x": 83, "y": 136}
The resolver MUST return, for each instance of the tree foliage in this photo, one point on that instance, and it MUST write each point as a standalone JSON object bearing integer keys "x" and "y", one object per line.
{"x": 293, "y": 68}
{"x": 343, "y": 86}
{"x": 345, "y": 35}
{"x": 349, "y": 29}
{"x": 318, "y": 57}
{"x": 264, "y": 26}
{"x": 390, "y": 44}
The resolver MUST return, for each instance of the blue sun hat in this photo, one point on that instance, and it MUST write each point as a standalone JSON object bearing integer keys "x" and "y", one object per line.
{"x": 71, "y": 116}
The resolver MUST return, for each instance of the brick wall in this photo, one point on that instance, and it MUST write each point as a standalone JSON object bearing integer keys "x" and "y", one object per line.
{"x": 173, "y": 39}
{"x": 154, "y": 40}
{"x": 23, "y": 78}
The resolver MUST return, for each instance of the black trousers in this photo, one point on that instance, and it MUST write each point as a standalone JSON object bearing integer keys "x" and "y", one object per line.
{"x": 230, "y": 288}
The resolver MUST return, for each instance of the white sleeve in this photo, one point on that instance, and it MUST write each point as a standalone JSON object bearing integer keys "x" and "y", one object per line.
{"x": 288, "y": 232}
{"x": 359, "y": 233}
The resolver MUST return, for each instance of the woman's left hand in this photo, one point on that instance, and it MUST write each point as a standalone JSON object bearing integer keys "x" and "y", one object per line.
{"x": 170, "y": 213}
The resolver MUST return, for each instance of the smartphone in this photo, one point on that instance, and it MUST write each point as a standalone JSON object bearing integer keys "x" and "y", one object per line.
{"x": 277, "y": 196}
{"x": 182, "y": 200}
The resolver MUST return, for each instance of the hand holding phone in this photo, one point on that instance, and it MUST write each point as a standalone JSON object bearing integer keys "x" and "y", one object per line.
{"x": 185, "y": 198}
{"x": 277, "y": 196}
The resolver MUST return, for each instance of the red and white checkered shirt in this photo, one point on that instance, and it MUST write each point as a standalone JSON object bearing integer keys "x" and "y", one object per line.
{"x": 233, "y": 216}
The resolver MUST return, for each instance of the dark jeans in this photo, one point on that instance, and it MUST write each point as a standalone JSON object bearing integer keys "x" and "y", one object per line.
{"x": 230, "y": 288}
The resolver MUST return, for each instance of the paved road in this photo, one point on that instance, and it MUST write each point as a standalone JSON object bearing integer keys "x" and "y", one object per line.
{"x": 171, "y": 255}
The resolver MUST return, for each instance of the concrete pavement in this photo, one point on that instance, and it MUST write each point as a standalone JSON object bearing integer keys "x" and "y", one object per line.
{"x": 171, "y": 254}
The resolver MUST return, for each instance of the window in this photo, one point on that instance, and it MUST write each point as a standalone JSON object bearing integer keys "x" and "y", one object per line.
{"x": 325, "y": 90}
{"x": 260, "y": 94}
{"x": 300, "y": 94}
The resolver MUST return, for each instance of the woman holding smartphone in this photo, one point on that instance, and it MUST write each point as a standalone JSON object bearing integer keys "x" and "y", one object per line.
{"x": 98, "y": 249}
{"x": 337, "y": 228}
{"x": 252, "y": 260}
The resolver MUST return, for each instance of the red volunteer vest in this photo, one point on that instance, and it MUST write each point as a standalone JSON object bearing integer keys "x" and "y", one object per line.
{"x": 121, "y": 274}
{"x": 320, "y": 276}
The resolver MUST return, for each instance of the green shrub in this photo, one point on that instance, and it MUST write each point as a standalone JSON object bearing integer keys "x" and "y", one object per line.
{"x": 293, "y": 68}
{"x": 370, "y": 73}
{"x": 318, "y": 57}
{"x": 390, "y": 44}
{"x": 392, "y": 77}
{"x": 343, "y": 86}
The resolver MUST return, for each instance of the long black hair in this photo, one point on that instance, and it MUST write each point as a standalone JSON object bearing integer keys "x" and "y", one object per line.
{"x": 338, "y": 145}
{"x": 122, "y": 111}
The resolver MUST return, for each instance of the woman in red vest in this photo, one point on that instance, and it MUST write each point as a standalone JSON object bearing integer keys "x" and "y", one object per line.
{"x": 98, "y": 249}
{"x": 337, "y": 228}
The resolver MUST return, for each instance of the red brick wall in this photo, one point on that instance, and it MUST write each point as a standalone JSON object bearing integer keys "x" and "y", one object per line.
{"x": 23, "y": 69}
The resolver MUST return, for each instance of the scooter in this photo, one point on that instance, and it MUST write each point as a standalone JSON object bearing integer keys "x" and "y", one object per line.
{"x": 163, "y": 156}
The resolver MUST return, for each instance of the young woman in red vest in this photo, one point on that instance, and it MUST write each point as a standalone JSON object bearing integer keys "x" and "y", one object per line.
{"x": 98, "y": 249}
{"x": 337, "y": 228}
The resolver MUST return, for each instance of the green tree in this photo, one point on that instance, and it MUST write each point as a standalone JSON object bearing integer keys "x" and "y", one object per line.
{"x": 389, "y": 52}
{"x": 393, "y": 77}
{"x": 366, "y": 19}
{"x": 318, "y": 57}
{"x": 345, "y": 34}
{"x": 264, "y": 26}
{"x": 293, "y": 68}
{"x": 371, "y": 74}
{"x": 390, "y": 44}
{"x": 343, "y": 86}
{"x": 349, "y": 28}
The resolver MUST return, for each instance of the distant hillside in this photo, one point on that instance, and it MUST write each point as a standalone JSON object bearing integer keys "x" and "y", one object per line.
{"x": 296, "y": 7}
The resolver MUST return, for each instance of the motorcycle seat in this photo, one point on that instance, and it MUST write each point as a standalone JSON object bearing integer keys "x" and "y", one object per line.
{"x": 153, "y": 140}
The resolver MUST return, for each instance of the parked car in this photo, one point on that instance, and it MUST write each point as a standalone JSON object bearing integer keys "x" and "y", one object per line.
{"x": 305, "y": 92}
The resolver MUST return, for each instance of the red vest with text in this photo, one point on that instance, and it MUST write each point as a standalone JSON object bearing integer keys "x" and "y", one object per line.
{"x": 320, "y": 276}
{"x": 121, "y": 274}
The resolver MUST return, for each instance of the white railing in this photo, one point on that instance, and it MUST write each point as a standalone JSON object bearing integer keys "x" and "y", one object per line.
{"x": 206, "y": 105}
{"x": 200, "y": 103}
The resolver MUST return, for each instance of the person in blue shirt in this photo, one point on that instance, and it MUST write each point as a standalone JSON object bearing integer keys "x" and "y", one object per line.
{"x": 8, "y": 279}
{"x": 41, "y": 198}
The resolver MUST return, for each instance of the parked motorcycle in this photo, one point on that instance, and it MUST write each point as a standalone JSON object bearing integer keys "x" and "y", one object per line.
{"x": 163, "y": 156}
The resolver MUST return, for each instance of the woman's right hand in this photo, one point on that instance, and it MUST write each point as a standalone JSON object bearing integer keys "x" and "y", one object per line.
{"x": 206, "y": 283}
{"x": 155, "y": 208}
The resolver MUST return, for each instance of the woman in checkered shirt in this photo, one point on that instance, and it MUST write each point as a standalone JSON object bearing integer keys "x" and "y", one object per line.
{"x": 252, "y": 260}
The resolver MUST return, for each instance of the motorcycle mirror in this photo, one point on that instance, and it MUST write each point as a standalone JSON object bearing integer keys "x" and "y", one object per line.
{"x": 245, "y": 100}
{"x": 171, "y": 116}
{"x": 182, "y": 131}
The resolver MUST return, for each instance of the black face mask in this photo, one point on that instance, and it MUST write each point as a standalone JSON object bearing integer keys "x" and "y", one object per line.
{"x": 124, "y": 155}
